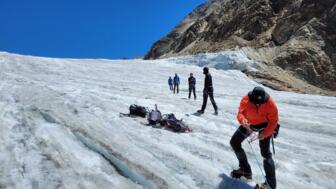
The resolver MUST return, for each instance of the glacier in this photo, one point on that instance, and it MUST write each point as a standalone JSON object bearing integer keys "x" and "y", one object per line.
{"x": 60, "y": 126}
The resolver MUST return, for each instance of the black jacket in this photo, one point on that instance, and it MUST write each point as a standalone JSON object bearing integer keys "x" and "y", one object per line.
{"x": 192, "y": 81}
{"x": 208, "y": 83}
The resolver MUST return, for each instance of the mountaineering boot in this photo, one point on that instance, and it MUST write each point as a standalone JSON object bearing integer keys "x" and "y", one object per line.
{"x": 238, "y": 173}
{"x": 262, "y": 186}
{"x": 200, "y": 111}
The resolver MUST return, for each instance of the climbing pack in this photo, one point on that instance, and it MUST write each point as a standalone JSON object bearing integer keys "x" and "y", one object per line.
{"x": 154, "y": 116}
{"x": 137, "y": 110}
{"x": 169, "y": 121}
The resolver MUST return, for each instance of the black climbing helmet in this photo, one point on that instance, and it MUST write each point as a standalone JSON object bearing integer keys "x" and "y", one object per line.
{"x": 258, "y": 95}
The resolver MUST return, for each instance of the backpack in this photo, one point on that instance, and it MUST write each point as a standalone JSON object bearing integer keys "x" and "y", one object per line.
{"x": 138, "y": 110}
{"x": 169, "y": 121}
{"x": 154, "y": 116}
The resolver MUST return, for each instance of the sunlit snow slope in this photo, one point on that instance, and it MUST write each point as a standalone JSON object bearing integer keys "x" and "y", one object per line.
{"x": 60, "y": 127}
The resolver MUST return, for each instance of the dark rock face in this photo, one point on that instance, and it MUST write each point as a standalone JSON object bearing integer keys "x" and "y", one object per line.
{"x": 302, "y": 33}
{"x": 311, "y": 54}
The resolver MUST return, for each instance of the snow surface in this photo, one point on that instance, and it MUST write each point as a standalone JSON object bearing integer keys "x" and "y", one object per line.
{"x": 60, "y": 127}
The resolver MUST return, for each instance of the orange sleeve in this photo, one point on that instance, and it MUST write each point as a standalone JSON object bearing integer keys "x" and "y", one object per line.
{"x": 272, "y": 117}
{"x": 242, "y": 108}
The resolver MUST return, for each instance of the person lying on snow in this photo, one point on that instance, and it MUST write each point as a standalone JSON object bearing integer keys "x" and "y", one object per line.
{"x": 257, "y": 112}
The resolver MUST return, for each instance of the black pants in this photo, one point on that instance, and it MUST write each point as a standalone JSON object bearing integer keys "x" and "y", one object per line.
{"x": 205, "y": 100}
{"x": 238, "y": 137}
{"x": 192, "y": 89}
{"x": 171, "y": 87}
{"x": 176, "y": 86}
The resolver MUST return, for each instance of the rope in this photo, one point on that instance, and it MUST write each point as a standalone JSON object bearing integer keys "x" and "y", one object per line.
{"x": 259, "y": 165}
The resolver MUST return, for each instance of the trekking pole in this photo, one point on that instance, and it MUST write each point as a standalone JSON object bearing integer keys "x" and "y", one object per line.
{"x": 273, "y": 145}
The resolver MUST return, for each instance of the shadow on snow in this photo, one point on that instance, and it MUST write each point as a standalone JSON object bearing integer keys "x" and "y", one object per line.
{"x": 230, "y": 183}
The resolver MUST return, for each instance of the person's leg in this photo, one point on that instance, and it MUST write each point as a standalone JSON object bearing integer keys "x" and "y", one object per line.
{"x": 268, "y": 162}
{"x": 189, "y": 92}
{"x": 194, "y": 91}
{"x": 174, "y": 88}
{"x": 236, "y": 140}
{"x": 177, "y": 88}
{"x": 205, "y": 100}
{"x": 213, "y": 101}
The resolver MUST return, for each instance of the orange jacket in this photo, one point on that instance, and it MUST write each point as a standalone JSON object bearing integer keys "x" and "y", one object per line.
{"x": 267, "y": 112}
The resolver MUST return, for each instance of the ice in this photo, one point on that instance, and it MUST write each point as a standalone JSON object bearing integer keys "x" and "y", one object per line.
{"x": 45, "y": 101}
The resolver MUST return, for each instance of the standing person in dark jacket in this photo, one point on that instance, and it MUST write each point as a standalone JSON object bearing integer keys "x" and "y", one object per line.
{"x": 208, "y": 91}
{"x": 192, "y": 85}
{"x": 170, "y": 83}
{"x": 176, "y": 83}
{"x": 257, "y": 112}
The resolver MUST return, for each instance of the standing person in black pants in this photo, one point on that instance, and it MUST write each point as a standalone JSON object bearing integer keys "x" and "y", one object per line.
{"x": 176, "y": 81}
{"x": 257, "y": 112}
{"x": 208, "y": 91}
{"x": 170, "y": 83}
{"x": 192, "y": 84}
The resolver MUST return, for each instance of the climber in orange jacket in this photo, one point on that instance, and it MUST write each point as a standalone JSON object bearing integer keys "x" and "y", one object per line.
{"x": 257, "y": 112}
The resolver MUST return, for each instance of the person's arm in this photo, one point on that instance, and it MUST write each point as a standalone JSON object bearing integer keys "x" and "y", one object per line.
{"x": 243, "y": 106}
{"x": 210, "y": 81}
{"x": 241, "y": 117}
{"x": 272, "y": 117}
{"x": 207, "y": 81}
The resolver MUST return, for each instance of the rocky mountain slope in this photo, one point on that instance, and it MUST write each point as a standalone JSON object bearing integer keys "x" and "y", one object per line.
{"x": 293, "y": 41}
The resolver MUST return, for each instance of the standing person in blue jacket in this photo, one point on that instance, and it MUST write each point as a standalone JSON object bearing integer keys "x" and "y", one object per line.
{"x": 192, "y": 84}
{"x": 176, "y": 83}
{"x": 170, "y": 83}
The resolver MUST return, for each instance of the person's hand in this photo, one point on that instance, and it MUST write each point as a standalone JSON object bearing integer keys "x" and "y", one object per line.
{"x": 262, "y": 136}
{"x": 246, "y": 124}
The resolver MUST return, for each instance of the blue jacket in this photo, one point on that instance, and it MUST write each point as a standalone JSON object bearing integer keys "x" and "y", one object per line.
{"x": 170, "y": 81}
{"x": 176, "y": 80}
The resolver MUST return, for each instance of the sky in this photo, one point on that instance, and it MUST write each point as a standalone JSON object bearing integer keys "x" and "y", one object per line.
{"x": 88, "y": 28}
